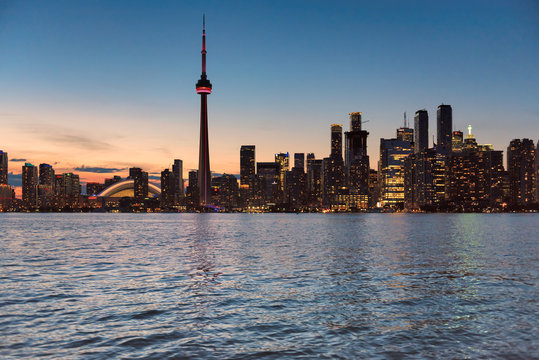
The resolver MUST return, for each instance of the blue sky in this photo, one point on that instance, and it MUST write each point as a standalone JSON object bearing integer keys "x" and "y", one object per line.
{"x": 110, "y": 84}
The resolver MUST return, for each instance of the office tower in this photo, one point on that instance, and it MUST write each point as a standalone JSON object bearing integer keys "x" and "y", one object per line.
{"x": 46, "y": 189}
{"x": 356, "y": 161}
{"x": 3, "y": 168}
{"x": 393, "y": 152}
{"x": 7, "y": 194}
{"x": 140, "y": 187}
{"x": 474, "y": 179}
{"x": 169, "y": 185}
{"x": 296, "y": 187}
{"x": 424, "y": 185}
{"x": 521, "y": 158}
{"x": 336, "y": 140}
{"x": 457, "y": 142}
{"x": 374, "y": 188}
{"x": 70, "y": 189}
{"x": 204, "y": 88}
{"x": 283, "y": 160}
{"x": 421, "y": 131}
{"x": 115, "y": 179}
{"x": 177, "y": 170}
{"x": 299, "y": 161}
{"x": 29, "y": 186}
{"x": 444, "y": 128}
{"x": 225, "y": 191}
{"x": 333, "y": 168}
{"x": 247, "y": 164}
{"x": 537, "y": 172}
{"x": 270, "y": 177}
{"x": 192, "y": 189}
{"x": 314, "y": 181}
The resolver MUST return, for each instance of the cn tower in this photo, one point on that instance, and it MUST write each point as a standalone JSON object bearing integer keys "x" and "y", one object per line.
{"x": 204, "y": 88}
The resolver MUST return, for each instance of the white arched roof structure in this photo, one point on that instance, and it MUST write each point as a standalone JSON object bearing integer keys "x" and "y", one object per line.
{"x": 127, "y": 188}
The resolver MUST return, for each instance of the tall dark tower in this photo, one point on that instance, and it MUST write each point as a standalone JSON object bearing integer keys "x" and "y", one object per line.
{"x": 444, "y": 129}
{"x": 204, "y": 88}
{"x": 421, "y": 131}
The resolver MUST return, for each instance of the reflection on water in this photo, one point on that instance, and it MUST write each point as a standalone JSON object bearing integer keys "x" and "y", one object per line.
{"x": 270, "y": 286}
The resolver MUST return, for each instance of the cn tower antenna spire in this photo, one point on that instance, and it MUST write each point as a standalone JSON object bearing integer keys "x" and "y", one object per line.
{"x": 204, "y": 88}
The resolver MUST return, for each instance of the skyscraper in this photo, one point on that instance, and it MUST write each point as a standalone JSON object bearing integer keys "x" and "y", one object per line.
{"x": 247, "y": 164}
{"x": 177, "y": 170}
{"x": 283, "y": 160}
{"x": 457, "y": 141}
{"x": 333, "y": 167}
{"x": 393, "y": 152}
{"x": 336, "y": 140}
{"x": 356, "y": 161}
{"x": 204, "y": 88}
{"x": 444, "y": 128}
{"x": 29, "y": 186}
{"x": 140, "y": 188}
{"x": 299, "y": 161}
{"x": 3, "y": 168}
{"x": 46, "y": 186}
{"x": 521, "y": 167}
{"x": 421, "y": 131}
{"x": 168, "y": 189}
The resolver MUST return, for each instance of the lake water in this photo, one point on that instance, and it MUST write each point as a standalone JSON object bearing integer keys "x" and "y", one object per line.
{"x": 269, "y": 286}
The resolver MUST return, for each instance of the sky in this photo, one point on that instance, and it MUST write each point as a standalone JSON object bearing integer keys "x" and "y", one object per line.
{"x": 95, "y": 87}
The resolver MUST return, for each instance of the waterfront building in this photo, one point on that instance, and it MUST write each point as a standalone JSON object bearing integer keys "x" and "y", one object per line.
{"x": 177, "y": 170}
{"x": 225, "y": 191}
{"x": 374, "y": 188}
{"x": 356, "y": 161}
{"x": 521, "y": 162}
{"x": 314, "y": 180}
{"x": 474, "y": 179}
{"x": 421, "y": 130}
{"x": 3, "y": 168}
{"x": 444, "y": 128}
{"x": 7, "y": 194}
{"x": 247, "y": 164}
{"x": 169, "y": 185}
{"x": 29, "y": 186}
{"x": 296, "y": 186}
{"x": 424, "y": 183}
{"x": 283, "y": 160}
{"x": 46, "y": 191}
{"x": 67, "y": 189}
{"x": 192, "y": 189}
{"x": 333, "y": 178}
{"x": 140, "y": 182}
{"x": 270, "y": 181}
{"x": 393, "y": 152}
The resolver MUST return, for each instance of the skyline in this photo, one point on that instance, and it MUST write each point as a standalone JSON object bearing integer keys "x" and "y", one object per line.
{"x": 134, "y": 104}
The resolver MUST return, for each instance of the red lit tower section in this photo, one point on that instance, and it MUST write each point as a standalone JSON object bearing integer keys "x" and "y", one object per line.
{"x": 203, "y": 89}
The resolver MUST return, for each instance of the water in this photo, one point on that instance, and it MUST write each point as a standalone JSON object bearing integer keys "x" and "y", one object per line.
{"x": 272, "y": 286}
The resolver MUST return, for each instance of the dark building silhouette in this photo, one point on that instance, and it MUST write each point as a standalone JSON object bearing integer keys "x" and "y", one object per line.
{"x": 521, "y": 162}
{"x": 46, "y": 190}
{"x": 474, "y": 179}
{"x": 225, "y": 191}
{"x": 114, "y": 180}
{"x": 169, "y": 185}
{"x": 314, "y": 180}
{"x": 140, "y": 183}
{"x": 356, "y": 161}
{"x": 177, "y": 170}
{"x": 94, "y": 188}
{"x": 247, "y": 164}
{"x": 270, "y": 181}
{"x": 421, "y": 131}
{"x": 204, "y": 88}
{"x": 192, "y": 189}
{"x": 3, "y": 168}
{"x": 333, "y": 176}
{"x": 29, "y": 186}
{"x": 296, "y": 187}
{"x": 444, "y": 128}
{"x": 299, "y": 161}
{"x": 424, "y": 183}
